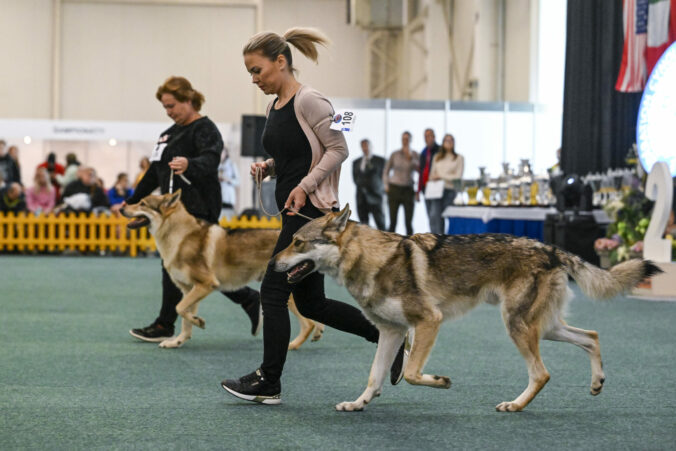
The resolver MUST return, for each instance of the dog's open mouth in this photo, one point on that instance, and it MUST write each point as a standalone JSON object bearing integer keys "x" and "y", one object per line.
{"x": 298, "y": 272}
{"x": 138, "y": 222}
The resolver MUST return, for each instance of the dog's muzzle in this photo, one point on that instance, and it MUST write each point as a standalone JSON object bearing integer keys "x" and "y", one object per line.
{"x": 300, "y": 271}
{"x": 136, "y": 221}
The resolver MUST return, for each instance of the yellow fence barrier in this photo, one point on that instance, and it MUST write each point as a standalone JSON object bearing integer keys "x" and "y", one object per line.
{"x": 82, "y": 232}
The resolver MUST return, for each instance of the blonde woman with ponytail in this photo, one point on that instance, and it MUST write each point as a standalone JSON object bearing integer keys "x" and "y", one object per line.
{"x": 306, "y": 159}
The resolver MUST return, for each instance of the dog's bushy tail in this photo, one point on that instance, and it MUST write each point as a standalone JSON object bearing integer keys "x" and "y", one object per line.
{"x": 598, "y": 283}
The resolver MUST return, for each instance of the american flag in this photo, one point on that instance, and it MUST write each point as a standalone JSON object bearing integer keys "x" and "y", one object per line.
{"x": 633, "y": 71}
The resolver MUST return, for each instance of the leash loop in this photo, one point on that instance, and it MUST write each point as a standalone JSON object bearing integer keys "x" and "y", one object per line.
{"x": 258, "y": 177}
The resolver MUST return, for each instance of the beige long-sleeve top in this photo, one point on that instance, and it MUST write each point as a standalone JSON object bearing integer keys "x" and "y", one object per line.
{"x": 448, "y": 169}
{"x": 399, "y": 169}
{"x": 329, "y": 149}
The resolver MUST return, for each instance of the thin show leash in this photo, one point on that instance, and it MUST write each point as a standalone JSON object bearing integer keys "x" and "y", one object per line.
{"x": 171, "y": 181}
{"x": 258, "y": 177}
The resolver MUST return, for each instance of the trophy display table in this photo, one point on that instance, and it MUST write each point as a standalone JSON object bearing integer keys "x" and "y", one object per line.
{"x": 519, "y": 221}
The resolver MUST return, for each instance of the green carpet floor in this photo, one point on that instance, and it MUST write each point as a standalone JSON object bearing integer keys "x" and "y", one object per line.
{"x": 71, "y": 377}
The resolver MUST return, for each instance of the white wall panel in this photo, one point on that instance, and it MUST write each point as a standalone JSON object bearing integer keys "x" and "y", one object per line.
{"x": 479, "y": 138}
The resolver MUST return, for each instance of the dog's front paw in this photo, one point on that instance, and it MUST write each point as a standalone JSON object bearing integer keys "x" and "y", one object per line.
{"x": 346, "y": 406}
{"x": 508, "y": 407}
{"x": 597, "y": 386}
{"x": 175, "y": 342}
{"x": 197, "y": 321}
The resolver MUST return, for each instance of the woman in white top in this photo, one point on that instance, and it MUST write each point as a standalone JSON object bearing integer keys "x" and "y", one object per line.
{"x": 447, "y": 166}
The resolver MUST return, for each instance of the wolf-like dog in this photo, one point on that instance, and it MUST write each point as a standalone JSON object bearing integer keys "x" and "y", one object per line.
{"x": 201, "y": 257}
{"x": 421, "y": 280}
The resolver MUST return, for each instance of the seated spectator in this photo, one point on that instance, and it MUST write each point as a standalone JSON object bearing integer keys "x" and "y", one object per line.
{"x": 120, "y": 191}
{"x": 8, "y": 168}
{"x": 70, "y": 174}
{"x": 84, "y": 194}
{"x": 54, "y": 169}
{"x": 41, "y": 197}
{"x": 11, "y": 198}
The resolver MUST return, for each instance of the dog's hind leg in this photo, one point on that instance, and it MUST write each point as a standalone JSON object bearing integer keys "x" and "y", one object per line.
{"x": 196, "y": 294}
{"x": 587, "y": 340}
{"x": 388, "y": 343}
{"x": 425, "y": 336}
{"x": 306, "y": 326}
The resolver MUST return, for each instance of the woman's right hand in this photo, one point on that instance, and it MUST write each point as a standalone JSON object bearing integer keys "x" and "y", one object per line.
{"x": 263, "y": 168}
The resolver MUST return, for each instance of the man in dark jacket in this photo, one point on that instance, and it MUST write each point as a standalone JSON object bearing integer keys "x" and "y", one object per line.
{"x": 367, "y": 172}
{"x": 426, "y": 159}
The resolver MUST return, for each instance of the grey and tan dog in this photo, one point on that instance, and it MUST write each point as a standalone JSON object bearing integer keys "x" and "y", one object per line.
{"x": 420, "y": 281}
{"x": 201, "y": 257}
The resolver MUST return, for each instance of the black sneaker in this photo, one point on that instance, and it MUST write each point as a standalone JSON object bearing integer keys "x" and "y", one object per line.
{"x": 254, "y": 387}
{"x": 400, "y": 361}
{"x": 153, "y": 333}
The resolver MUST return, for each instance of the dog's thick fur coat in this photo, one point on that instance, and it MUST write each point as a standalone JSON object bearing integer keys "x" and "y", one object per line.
{"x": 420, "y": 281}
{"x": 201, "y": 257}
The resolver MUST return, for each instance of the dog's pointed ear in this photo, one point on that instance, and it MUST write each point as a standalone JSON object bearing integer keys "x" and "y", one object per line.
{"x": 172, "y": 199}
{"x": 341, "y": 218}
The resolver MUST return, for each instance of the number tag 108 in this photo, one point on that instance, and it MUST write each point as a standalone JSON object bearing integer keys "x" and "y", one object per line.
{"x": 343, "y": 122}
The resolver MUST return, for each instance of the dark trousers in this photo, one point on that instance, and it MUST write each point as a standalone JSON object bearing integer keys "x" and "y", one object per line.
{"x": 171, "y": 296}
{"x": 364, "y": 208}
{"x": 401, "y": 195}
{"x": 310, "y": 300}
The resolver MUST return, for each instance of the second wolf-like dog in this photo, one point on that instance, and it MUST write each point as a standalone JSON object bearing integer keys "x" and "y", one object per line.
{"x": 201, "y": 257}
{"x": 420, "y": 281}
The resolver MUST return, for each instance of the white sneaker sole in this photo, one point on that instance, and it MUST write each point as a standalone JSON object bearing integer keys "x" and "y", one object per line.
{"x": 270, "y": 400}
{"x": 149, "y": 340}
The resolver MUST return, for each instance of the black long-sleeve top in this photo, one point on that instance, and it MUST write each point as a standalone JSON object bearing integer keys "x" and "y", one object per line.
{"x": 201, "y": 143}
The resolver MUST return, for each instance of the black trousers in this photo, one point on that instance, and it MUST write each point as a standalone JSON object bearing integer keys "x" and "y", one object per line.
{"x": 310, "y": 300}
{"x": 401, "y": 195}
{"x": 171, "y": 296}
{"x": 364, "y": 208}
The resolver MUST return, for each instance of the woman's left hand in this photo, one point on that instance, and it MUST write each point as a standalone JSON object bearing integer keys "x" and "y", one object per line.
{"x": 296, "y": 200}
{"x": 179, "y": 165}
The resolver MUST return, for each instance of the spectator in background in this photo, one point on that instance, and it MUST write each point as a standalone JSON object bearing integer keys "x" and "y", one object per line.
{"x": 54, "y": 169}
{"x": 228, "y": 176}
{"x": 11, "y": 198}
{"x": 41, "y": 197}
{"x": 13, "y": 152}
{"x": 426, "y": 163}
{"x": 144, "y": 164}
{"x": 70, "y": 174}
{"x": 84, "y": 194}
{"x": 120, "y": 191}
{"x": 399, "y": 186}
{"x": 9, "y": 171}
{"x": 447, "y": 166}
{"x": 367, "y": 173}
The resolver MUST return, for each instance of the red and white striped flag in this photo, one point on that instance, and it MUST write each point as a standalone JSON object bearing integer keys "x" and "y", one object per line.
{"x": 633, "y": 69}
{"x": 661, "y": 30}
{"x": 649, "y": 28}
